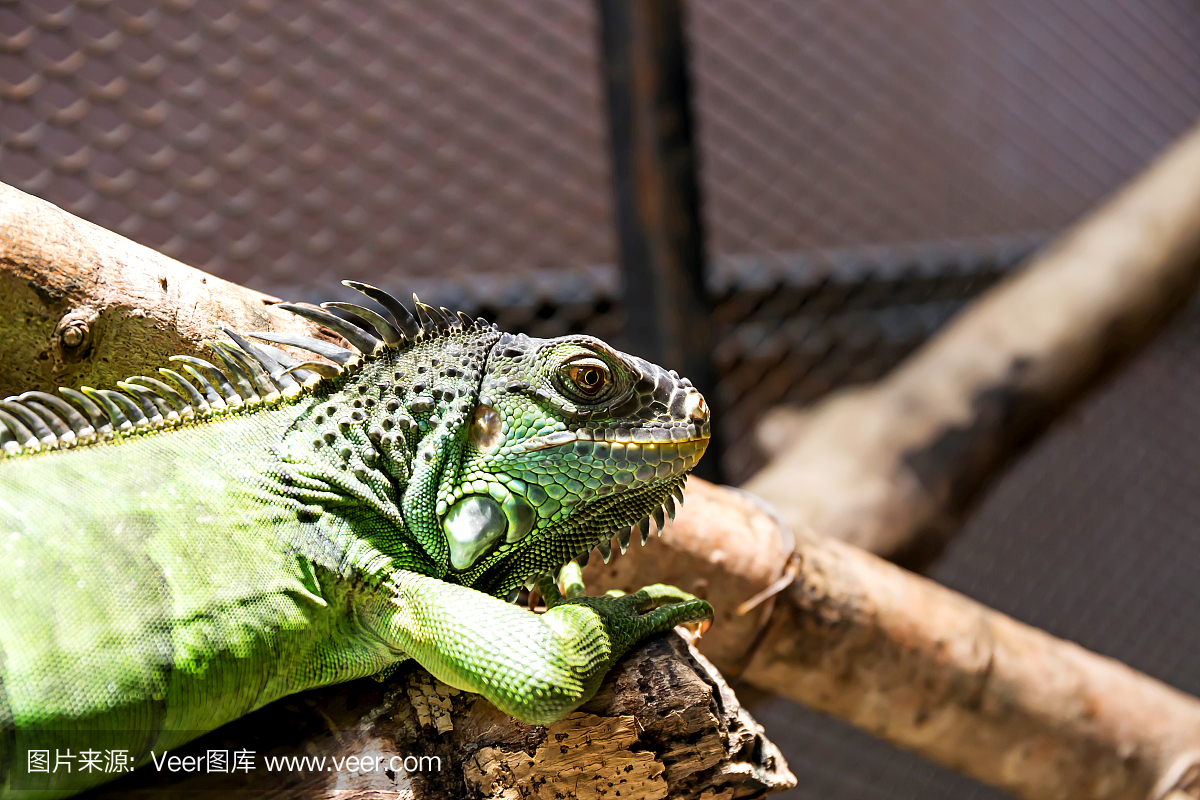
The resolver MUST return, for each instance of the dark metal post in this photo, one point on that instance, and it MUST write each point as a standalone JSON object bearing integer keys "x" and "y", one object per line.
{"x": 657, "y": 194}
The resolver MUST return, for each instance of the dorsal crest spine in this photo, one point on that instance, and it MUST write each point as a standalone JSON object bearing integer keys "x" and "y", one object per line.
{"x": 249, "y": 374}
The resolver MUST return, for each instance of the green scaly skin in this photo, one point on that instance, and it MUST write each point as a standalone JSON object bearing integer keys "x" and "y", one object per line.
{"x": 163, "y": 581}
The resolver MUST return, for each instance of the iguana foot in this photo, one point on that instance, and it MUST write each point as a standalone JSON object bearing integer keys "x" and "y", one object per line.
{"x": 654, "y": 609}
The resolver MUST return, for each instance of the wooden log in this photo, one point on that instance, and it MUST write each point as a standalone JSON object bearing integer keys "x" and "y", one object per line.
{"x": 930, "y": 670}
{"x": 84, "y": 306}
{"x": 895, "y": 467}
{"x": 923, "y": 667}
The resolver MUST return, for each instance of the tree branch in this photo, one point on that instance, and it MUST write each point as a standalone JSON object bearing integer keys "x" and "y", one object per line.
{"x": 895, "y": 467}
{"x": 914, "y": 663}
{"x": 84, "y": 306}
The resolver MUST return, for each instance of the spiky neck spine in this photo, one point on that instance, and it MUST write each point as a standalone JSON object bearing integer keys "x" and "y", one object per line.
{"x": 376, "y": 426}
{"x": 247, "y": 376}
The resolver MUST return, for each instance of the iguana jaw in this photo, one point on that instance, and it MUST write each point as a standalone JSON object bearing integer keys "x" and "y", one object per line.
{"x": 624, "y": 514}
{"x": 503, "y": 578}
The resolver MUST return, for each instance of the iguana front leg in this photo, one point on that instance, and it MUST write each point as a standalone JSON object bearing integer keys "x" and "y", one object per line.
{"x": 537, "y": 667}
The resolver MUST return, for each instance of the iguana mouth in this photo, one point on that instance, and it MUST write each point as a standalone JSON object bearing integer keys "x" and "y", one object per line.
{"x": 662, "y": 437}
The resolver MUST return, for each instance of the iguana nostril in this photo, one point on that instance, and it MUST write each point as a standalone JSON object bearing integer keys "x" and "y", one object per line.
{"x": 695, "y": 407}
{"x": 472, "y": 526}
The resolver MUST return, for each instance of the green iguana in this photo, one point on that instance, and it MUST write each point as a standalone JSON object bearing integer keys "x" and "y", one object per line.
{"x": 186, "y": 550}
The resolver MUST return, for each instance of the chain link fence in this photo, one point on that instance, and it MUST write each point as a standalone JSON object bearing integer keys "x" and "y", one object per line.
{"x": 866, "y": 169}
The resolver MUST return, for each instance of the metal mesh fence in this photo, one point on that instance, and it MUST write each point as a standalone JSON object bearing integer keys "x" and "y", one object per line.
{"x": 833, "y": 133}
{"x": 285, "y": 143}
{"x": 796, "y": 326}
{"x": 827, "y": 124}
{"x": 866, "y": 169}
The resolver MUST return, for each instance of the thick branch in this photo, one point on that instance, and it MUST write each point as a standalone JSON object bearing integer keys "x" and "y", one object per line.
{"x": 917, "y": 664}
{"x": 664, "y": 724}
{"x": 895, "y": 467}
{"x": 84, "y": 306}
{"x": 910, "y": 661}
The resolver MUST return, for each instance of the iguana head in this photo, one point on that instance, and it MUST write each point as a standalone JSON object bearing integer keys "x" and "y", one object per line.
{"x": 569, "y": 444}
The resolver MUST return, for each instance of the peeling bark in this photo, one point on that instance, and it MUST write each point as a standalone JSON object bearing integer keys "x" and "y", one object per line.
{"x": 663, "y": 725}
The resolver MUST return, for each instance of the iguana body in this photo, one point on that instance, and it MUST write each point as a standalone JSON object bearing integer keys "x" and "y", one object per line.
{"x": 165, "y": 579}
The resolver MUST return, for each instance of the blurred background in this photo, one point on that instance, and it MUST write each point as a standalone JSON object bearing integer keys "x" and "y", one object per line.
{"x": 849, "y": 175}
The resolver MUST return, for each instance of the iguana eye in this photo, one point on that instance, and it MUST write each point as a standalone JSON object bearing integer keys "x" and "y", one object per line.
{"x": 587, "y": 378}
